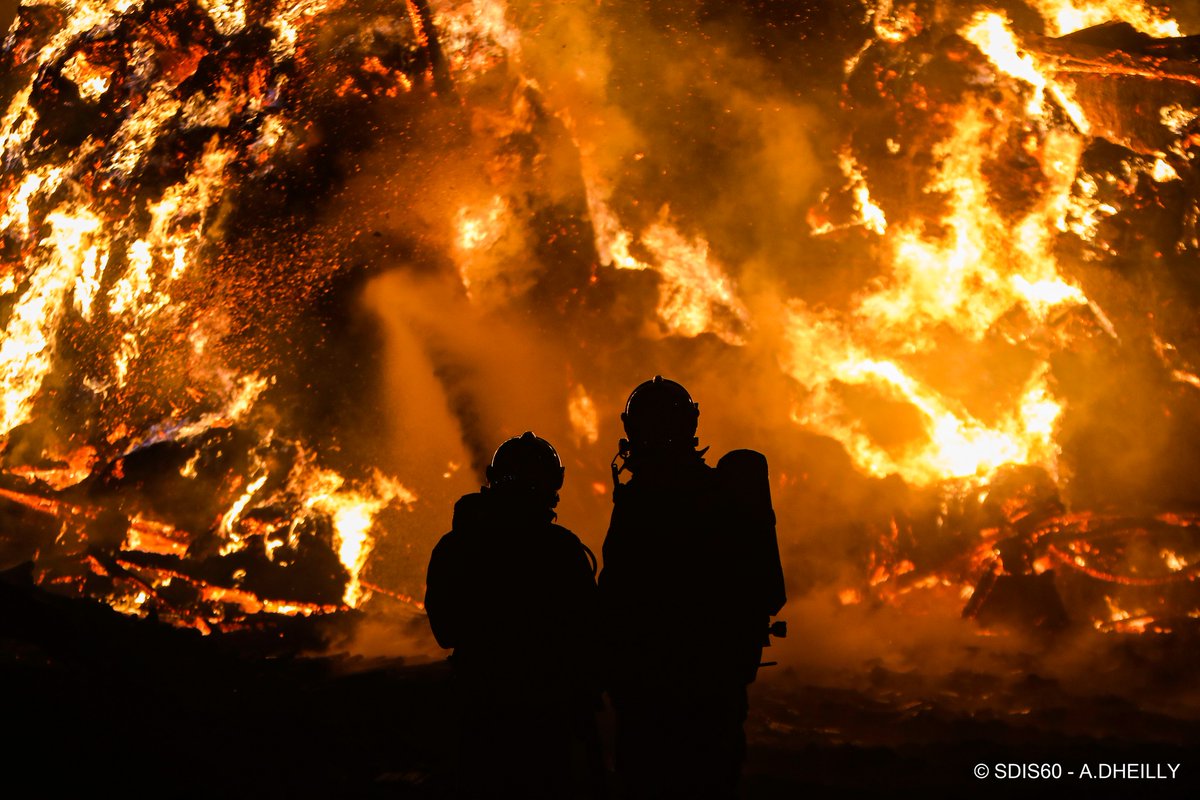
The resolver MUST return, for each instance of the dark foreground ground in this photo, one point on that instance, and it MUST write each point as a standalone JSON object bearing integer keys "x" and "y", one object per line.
{"x": 94, "y": 702}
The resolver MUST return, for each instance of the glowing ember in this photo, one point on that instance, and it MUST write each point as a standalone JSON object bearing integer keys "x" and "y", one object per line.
{"x": 147, "y": 536}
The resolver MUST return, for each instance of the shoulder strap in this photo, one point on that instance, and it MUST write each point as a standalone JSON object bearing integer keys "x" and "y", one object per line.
{"x": 591, "y": 557}
{"x": 469, "y": 512}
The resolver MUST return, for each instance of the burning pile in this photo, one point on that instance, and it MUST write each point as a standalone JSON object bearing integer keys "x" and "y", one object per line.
{"x": 138, "y": 403}
{"x": 988, "y": 170}
{"x": 168, "y": 259}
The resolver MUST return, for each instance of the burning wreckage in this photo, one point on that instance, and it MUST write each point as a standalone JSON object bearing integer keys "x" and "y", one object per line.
{"x": 1016, "y": 184}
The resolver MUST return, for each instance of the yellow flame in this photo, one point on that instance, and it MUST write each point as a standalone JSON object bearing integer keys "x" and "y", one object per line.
{"x": 866, "y": 212}
{"x": 1176, "y": 118}
{"x": 352, "y": 512}
{"x": 37, "y": 183}
{"x": 1067, "y": 16}
{"x": 956, "y": 444}
{"x": 978, "y": 267}
{"x": 1128, "y": 621}
{"x": 481, "y": 260}
{"x": 150, "y": 536}
{"x": 990, "y": 32}
{"x": 141, "y": 129}
{"x": 239, "y": 394}
{"x": 136, "y": 283}
{"x": 79, "y": 16}
{"x": 285, "y": 23}
{"x": 1162, "y": 171}
{"x": 188, "y": 470}
{"x": 584, "y": 418}
{"x": 695, "y": 294}
{"x": 17, "y": 124}
{"x": 1084, "y": 212}
{"x": 228, "y": 16}
{"x": 88, "y": 282}
{"x": 695, "y": 288}
{"x": 28, "y": 346}
{"x": 480, "y": 227}
{"x": 71, "y": 469}
{"x": 972, "y": 276}
{"x": 92, "y": 82}
{"x": 896, "y": 24}
{"x": 872, "y": 216}
{"x": 475, "y": 36}
{"x": 130, "y": 604}
{"x": 233, "y": 541}
{"x": 254, "y": 604}
{"x": 1173, "y": 560}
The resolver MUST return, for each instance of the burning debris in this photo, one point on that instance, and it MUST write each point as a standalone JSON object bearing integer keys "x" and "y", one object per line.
{"x": 988, "y": 168}
{"x": 137, "y": 407}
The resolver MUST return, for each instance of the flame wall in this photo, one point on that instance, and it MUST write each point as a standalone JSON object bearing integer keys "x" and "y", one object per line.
{"x": 377, "y": 239}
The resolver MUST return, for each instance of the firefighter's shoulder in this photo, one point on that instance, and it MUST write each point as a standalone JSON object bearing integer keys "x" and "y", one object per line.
{"x": 469, "y": 511}
{"x": 445, "y": 553}
{"x": 562, "y": 537}
{"x": 572, "y": 545}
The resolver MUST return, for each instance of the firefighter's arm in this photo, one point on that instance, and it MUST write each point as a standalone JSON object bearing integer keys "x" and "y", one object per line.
{"x": 587, "y": 599}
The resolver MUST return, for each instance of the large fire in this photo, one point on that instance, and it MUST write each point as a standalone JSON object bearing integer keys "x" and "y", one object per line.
{"x": 162, "y": 259}
{"x": 130, "y": 126}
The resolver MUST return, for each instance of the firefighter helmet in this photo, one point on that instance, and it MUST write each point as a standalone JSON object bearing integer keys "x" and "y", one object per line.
{"x": 526, "y": 461}
{"x": 660, "y": 412}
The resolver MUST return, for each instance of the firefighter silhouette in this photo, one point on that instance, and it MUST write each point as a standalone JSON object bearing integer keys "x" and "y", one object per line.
{"x": 691, "y": 578}
{"x": 515, "y": 596}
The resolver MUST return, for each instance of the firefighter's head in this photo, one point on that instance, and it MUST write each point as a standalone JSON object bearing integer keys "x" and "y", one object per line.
{"x": 660, "y": 415}
{"x": 527, "y": 465}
